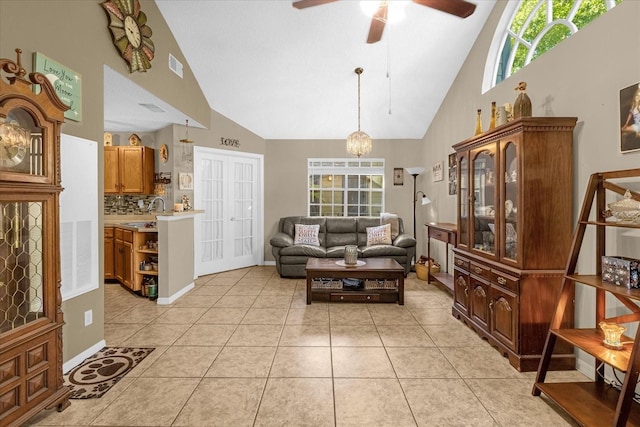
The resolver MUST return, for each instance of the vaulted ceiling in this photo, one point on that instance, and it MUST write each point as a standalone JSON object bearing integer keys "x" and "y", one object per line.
{"x": 287, "y": 73}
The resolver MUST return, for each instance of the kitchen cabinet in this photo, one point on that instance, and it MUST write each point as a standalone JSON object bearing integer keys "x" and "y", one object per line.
{"x": 514, "y": 224}
{"x": 145, "y": 258}
{"x": 109, "y": 252}
{"x": 128, "y": 170}
{"x": 598, "y": 403}
{"x": 31, "y": 318}
{"x": 124, "y": 257}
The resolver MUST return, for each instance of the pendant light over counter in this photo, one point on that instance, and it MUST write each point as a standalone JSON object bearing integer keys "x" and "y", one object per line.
{"x": 358, "y": 142}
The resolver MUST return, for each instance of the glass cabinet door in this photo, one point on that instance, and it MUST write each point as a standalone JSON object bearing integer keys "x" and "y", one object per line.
{"x": 483, "y": 179}
{"x": 22, "y": 298}
{"x": 463, "y": 199}
{"x": 509, "y": 227}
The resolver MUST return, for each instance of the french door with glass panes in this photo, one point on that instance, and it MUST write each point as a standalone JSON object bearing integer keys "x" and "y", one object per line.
{"x": 228, "y": 187}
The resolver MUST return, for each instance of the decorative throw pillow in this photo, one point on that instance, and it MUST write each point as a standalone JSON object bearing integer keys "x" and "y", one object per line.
{"x": 389, "y": 218}
{"x": 380, "y": 235}
{"x": 307, "y": 234}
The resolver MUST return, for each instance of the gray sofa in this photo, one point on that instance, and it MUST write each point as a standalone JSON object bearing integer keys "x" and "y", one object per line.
{"x": 335, "y": 234}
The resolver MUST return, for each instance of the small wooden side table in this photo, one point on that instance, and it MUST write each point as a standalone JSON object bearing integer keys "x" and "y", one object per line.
{"x": 444, "y": 232}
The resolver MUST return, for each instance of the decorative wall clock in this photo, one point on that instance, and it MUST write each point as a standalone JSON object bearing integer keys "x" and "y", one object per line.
{"x": 130, "y": 32}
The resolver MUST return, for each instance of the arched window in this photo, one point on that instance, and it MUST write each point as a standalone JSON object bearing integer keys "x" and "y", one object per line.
{"x": 529, "y": 28}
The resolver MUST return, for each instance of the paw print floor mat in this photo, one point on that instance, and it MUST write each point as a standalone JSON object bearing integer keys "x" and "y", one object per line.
{"x": 101, "y": 371}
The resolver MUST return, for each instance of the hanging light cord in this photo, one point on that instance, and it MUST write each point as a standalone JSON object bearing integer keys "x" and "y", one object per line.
{"x": 358, "y": 72}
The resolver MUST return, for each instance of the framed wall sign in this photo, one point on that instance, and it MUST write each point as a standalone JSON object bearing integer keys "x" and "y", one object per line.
{"x": 185, "y": 181}
{"x": 66, "y": 82}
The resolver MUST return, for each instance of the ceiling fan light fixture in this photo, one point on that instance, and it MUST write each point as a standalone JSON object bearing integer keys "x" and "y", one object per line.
{"x": 358, "y": 142}
{"x": 395, "y": 9}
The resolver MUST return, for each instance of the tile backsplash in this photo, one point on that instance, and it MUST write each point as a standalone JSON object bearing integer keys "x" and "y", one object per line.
{"x": 127, "y": 204}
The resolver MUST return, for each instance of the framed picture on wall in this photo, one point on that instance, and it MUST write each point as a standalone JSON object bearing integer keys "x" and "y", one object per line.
{"x": 438, "y": 171}
{"x": 630, "y": 118}
{"x": 185, "y": 181}
{"x": 398, "y": 176}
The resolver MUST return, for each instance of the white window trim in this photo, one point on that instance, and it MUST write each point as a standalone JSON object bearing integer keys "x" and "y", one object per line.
{"x": 503, "y": 31}
{"x": 347, "y": 170}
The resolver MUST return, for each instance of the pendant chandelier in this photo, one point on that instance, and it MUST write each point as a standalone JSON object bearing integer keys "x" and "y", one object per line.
{"x": 358, "y": 143}
{"x": 187, "y": 147}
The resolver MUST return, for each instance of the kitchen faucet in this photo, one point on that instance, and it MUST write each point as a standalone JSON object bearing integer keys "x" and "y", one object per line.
{"x": 153, "y": 200}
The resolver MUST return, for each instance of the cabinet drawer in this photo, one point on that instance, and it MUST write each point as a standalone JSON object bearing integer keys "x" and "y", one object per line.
{"x": 505, "y": 281}
{"x": 461, "y": 263}
{"x": 108, "y": 232}
{"x": 340, "y": 297}
{"x": 127, "y": 236}
{"x": 118, "y": 233}
{"x": 480, "y": 271}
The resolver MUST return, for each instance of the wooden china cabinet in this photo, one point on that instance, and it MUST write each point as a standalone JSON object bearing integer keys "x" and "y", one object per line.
{"x": 30, "y": 301}
{"x": 514, "y": 229}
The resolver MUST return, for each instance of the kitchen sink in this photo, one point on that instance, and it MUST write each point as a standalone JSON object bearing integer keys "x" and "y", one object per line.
{"x": 146, "y": 224}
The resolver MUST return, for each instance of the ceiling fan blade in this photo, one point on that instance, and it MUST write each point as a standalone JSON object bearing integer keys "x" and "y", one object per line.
{"x": 303, "y": 4}
{"x": 377, "y": 23}
{"x": 459, "y": 8}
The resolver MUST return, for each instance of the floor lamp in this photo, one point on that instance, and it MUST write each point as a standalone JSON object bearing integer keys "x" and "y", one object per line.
{"x": 414, "y": 172}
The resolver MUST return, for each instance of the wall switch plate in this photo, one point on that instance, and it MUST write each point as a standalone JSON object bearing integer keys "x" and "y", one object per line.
{"x": 88, "y": 317}
{"x": 141, "y": 204}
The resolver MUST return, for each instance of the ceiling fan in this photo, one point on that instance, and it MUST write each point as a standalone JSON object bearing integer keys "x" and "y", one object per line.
{"x": 459, "y": 8}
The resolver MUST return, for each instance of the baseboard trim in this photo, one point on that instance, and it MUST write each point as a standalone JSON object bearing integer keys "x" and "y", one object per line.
{"x": 174, "y": 297}
{"x": 79, "y": 358}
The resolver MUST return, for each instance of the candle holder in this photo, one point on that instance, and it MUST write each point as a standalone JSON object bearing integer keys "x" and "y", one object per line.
{"x": 612, "y": 334}
{"x": 350, "y": 255}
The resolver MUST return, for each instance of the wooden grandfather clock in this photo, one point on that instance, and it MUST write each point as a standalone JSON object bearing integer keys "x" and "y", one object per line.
{"x": 30, "y": 301}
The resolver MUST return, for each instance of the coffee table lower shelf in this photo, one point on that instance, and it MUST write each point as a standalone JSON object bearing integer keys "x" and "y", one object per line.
{"x": 365, "y": 295}
{"x": 380, "y": 270}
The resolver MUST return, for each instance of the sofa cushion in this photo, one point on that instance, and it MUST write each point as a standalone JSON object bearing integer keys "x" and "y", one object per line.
{"x": 380, "y": 235}
{"x": 307, "y": 234}
{"x": 304, "y": 250}
{"x": 382, "y": 251}
{"x": 389, "y": 218}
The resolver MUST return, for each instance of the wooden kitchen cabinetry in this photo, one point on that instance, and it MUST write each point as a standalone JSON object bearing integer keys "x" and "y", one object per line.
{"x": 597, "y": 403}
{"x": 31, "y": 316}
{"x": 145, "y": 252}
{"x": 128, "y": 170}
{"x": 124, "y": 257}
{"x": 109, "y": 253}
{"x": 130, "y": 249}
{"x": 514, "y": 227}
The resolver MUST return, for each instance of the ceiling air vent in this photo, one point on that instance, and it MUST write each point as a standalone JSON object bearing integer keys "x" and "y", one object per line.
{"x": 175, "y": 65}
{"x": 152, "y": 107}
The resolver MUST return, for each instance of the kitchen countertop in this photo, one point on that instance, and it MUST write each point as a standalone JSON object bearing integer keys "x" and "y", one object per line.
{"x": 123, "y": 220}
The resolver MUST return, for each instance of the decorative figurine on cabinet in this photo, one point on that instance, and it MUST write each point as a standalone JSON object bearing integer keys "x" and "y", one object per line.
{"x": 522, "y": 105}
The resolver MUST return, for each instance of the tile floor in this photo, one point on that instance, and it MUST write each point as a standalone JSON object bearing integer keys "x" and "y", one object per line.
{"x": 244, "y": 349}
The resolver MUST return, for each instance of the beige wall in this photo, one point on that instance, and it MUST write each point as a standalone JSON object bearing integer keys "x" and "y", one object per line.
{"x": 286, "y": 177}
{"x": 75, "y": 34}
{"x": 580, "y": 78}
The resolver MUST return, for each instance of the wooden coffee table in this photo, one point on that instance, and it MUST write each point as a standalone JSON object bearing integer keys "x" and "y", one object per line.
{"x": 383, "y": 279}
